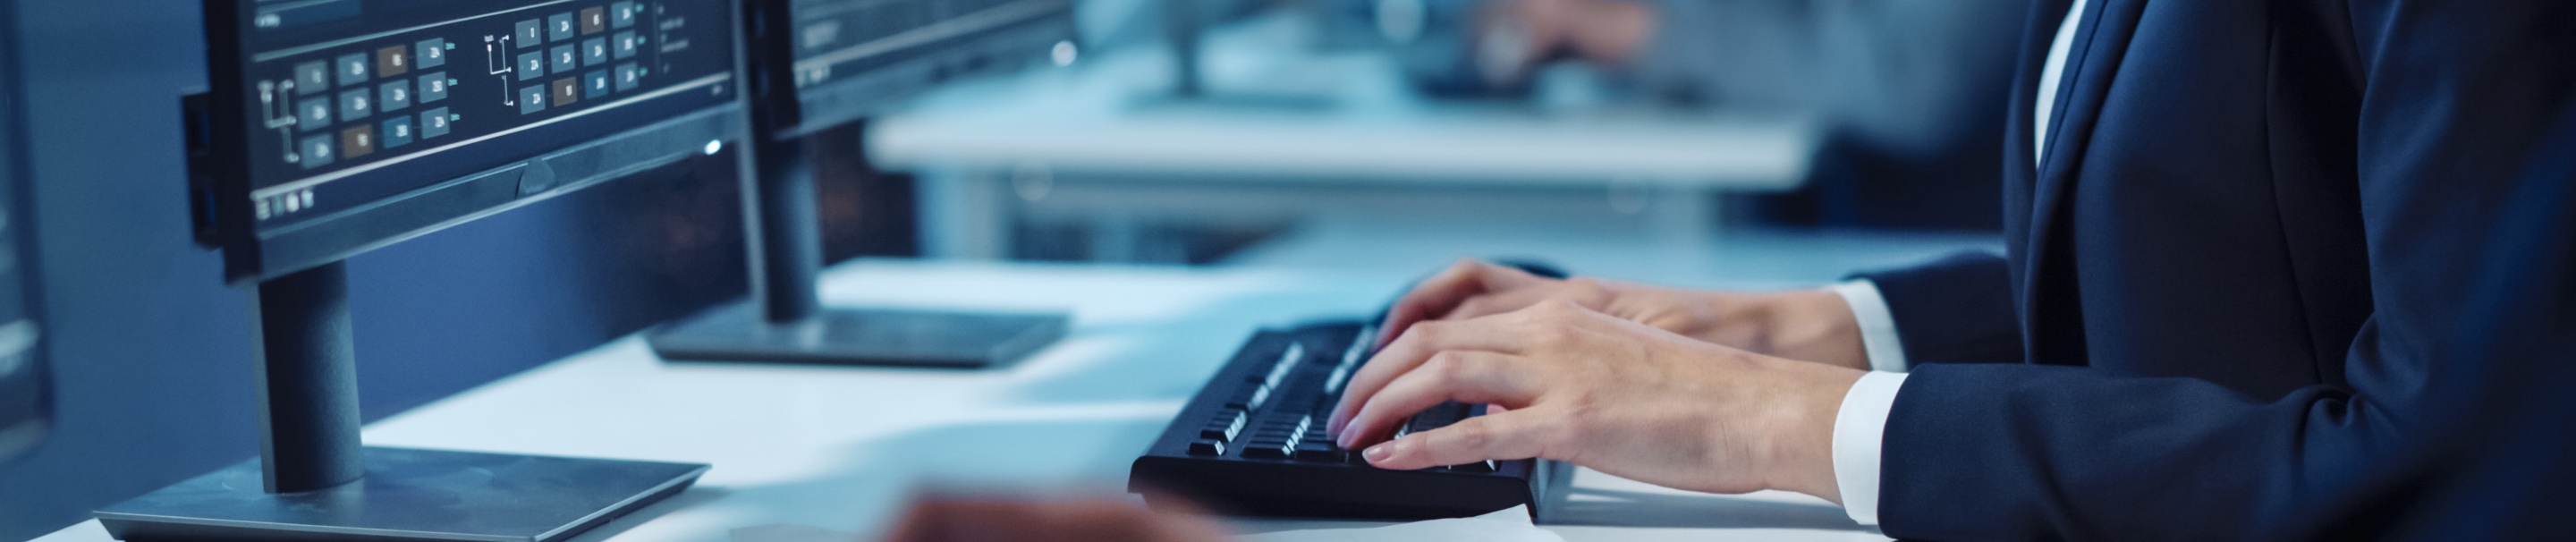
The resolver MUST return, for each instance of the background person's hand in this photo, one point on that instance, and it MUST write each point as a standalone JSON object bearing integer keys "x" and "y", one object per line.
{"x": 1531, "y": 32}
{"x": 1601, "y": 392}
{"x": 1089, "y": 520}
{"x": 1808, "y": 325}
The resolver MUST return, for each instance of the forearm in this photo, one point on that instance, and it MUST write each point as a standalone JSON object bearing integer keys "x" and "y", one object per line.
{"x": 1805, "y": 325}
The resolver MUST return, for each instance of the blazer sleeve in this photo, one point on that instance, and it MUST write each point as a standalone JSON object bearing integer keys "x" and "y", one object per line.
{"x": 2458, "y": 95}
{"x": 1958, "y": 309}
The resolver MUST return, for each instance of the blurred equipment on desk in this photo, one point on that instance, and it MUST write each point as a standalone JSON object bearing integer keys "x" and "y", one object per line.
{"x": 26, "y": 390}
{"x": 1911, "y": 90}
{"x": 336, "y": 128}
{"x": 811, "y": 66}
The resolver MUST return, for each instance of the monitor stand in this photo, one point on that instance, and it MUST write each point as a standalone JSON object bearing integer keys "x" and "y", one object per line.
{"x": 784, "y": 320}
{"x": 314, "y": 481}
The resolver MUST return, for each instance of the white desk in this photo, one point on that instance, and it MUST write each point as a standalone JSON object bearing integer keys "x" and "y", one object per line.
{"x": 1286, "y": 116}
{"x": 839, "y": 448}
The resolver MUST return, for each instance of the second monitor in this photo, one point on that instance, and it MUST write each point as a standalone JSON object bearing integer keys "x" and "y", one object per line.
{"x": 811, "y": 65}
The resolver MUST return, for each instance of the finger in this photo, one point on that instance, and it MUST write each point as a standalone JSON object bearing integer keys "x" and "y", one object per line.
{"x": 1441, "y": 294}
{"x": 1411, "y": 349}
{"x": 1463, "y": 376}
{"x": 1499, "y": 302}
{"x": 1431, "y": 297}
{"x": 1491, "y": 436}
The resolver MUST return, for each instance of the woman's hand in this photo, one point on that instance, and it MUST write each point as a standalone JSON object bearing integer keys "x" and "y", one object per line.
{"x": 1808, "y": 325}
{"x": 1603, "y": 392}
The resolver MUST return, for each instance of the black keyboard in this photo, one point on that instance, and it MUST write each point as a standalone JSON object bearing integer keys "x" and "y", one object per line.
{"x": 1252, "y": 443}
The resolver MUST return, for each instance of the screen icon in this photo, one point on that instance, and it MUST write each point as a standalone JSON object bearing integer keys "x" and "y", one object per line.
{"x": 532, "y": 99}
{"x": 392, "y": 61}
{"x": 566, "y": 91}
{"x": 397, "y": 132}
{"x": 433, "y": 123}
{"x": 314, "y": 151}
{"x": 314, "y": 113}
{"x": 393, "y": 95}
{"x": 532, "y": 66}
{"x": 355, "y": 104}
{"x": 352, "y": 69}
{"x": 312, "y": 77}
{"x": 357, "y": 141}
{"x": 433, "y": 87}
{"x": 530, "y": 33}
{"x": 560, "y": 27}
{"x": 430, "y": 53}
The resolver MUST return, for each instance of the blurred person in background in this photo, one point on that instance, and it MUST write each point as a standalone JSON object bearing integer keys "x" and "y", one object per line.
{"x": 1911, "y": 90}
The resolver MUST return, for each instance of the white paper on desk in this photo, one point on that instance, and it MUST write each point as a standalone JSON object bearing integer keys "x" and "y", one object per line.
{"x": 1512, "y": 525}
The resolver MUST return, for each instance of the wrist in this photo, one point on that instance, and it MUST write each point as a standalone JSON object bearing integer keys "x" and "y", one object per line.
{"x": 1802, "y": 430}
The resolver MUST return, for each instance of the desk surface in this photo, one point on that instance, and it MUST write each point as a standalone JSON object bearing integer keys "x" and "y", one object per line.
{"x": 841, "y": 448}
{"x": 1279, "y": 113}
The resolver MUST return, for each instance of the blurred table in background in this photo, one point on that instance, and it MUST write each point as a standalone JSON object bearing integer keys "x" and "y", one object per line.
{"x": 1286, "y": 132}
{"x": 832, "y": 451}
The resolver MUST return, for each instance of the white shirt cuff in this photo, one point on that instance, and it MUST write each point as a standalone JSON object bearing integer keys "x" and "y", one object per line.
{"x": 1859, "y": 428}
{"x": 1877, "y": 326}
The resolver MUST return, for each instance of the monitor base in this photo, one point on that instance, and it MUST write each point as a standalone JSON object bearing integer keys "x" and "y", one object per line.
{"x": 844, "y": 336}
{"x": 408, "y": 494}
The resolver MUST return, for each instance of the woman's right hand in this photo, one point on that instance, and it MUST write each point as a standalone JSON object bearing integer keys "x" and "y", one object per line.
{"x": 1810, "y": 325}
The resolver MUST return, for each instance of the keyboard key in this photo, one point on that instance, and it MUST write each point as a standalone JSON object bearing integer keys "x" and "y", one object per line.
{"x": 1321, "y": 451}
{"x": 1207, "y": 447}
{"x": 1480, "y": 466}
{"x": 1260, "y": 450}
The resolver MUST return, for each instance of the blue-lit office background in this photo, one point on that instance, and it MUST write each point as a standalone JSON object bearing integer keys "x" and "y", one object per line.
{"x": 152, "y": 353}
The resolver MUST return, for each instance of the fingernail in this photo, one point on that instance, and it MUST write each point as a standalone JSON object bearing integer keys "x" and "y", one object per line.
{"x": 1379, "y": 453}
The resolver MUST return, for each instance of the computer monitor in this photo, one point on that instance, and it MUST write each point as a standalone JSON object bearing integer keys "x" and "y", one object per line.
{"x": 333, "y": 127}
{"x": 815, "y": 64}
{"x": 338, "y": 126}
{"x": 859, "y": 58}
{"x": 25, "y": 393}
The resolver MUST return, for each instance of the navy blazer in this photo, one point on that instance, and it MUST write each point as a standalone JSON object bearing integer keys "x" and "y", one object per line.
{"x": 2495, "y": 463}
{"x": 2224, "y": 286}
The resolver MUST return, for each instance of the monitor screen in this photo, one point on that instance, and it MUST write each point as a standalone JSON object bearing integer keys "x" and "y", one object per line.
{"x": 856, "y": 58}
{"x": 24, "y": 394}
{"x": 336, "y": 126}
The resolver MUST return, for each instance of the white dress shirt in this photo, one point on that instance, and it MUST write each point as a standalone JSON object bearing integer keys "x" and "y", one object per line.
{"x": 1860, "y": 427}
